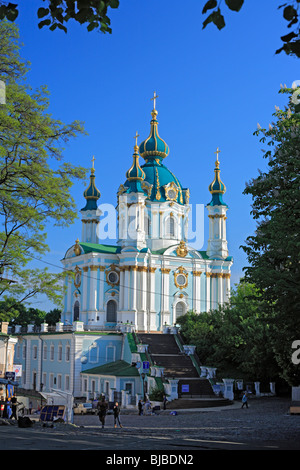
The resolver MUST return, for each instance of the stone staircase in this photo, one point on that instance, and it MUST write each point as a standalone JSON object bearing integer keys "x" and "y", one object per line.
{"x": 193, "y": 391}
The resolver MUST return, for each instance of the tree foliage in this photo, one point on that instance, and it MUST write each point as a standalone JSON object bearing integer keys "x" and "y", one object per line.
{"x": 16, "y": 313}
{"x": 273, "y": 251}
{"x": 233, "y": 338}
{"x": 35, "y": 182}
{"x": 94, "y": 13}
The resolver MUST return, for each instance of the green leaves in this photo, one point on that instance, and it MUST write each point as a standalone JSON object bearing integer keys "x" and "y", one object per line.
{"x": 34, "y": 189}
{"x": 273, "y": 252}
{"x": 234, "y": 5}
{"x": 216, "y": 16}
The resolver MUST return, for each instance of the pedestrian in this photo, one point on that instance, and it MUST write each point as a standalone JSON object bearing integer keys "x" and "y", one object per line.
{"x": 14, "y": 407}
{"x": 2, "y": 404}
{"x": 102, "y": 407}
{"x": 165, "y": 401}
{"x": 116, "y": 411}
{"x": 245, "y": 400}
{"x": 140, "y": 406}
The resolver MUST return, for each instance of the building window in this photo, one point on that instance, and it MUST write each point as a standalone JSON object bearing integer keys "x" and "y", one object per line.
{"x": 60, "y": 352}
{"x": 110, "y": 354}
{"x": 52, "y": 352}
{"x": 34, "y": 352}
{"x": 180, "y": 309}
{"x": 45, "y": 351}
{"x": 170, "y": 228}
{"x": 76, "y": 311}
{"x": 59, "y": 381}
{"x": 68, "y": 351}
{"x": 111, "y": 311}
{"x": 67, "y": 383}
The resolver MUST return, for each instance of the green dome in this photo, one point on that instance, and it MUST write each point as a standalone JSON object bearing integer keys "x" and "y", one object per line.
{"x": 217, "y": 188}
{"x": 91, "y": 194}
{"x": 154, "y": 147}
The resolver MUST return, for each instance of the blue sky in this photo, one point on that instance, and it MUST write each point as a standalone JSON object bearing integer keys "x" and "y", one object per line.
{"x": 213, "y": 86}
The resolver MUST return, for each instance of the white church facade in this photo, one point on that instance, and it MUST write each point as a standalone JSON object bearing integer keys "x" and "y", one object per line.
{"x": 151, "y": 276}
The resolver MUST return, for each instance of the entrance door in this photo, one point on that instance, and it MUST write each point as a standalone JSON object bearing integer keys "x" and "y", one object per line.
{"x": 111, "y": 311}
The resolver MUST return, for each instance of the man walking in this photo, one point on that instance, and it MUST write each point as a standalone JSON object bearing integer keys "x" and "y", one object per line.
{"x": 117, "y": 415}
{"x": 102, "y": 407}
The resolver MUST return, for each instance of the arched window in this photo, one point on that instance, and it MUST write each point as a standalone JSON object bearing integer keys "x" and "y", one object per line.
{"x": 170, "y": 229}
{"x": 180, "y": 309}
{"x": 76, "y": 311}
{"x": 111, "y": 311}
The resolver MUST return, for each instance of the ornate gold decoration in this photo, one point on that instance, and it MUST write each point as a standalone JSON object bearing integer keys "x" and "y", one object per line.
{"x": 158, "y": 195}
{"x": 165, "y": 270}
{"x": 169, "y": 188}
{"x": 147, "y": 187}
{"x": 187, "y": 196}
{"x": 77, "y": 249}
{"x": 181, "y": 275}
{"x": 77, "y": 278}
{"x": 152, "y": 270}
{"x": 85, "y": 269}
{"x": 121, "y": 189}
{"x": 197, "y": 273}
{"x": 112, "y": 269}
{"x": 182, "y": 250}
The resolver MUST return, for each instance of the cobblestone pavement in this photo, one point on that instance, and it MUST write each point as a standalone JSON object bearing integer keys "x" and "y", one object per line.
{"x": 265, "y": 425}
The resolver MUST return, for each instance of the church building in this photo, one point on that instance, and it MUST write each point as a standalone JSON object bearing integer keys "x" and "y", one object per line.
{"x": 117, "y": 335}
{"x": 151, "y": 276}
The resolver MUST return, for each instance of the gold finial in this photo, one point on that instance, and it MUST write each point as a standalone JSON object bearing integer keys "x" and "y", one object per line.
{"x": 136, "y": 137}
{"x": 77, "y": 249}
{"x": 154, "y": 99}
{"x": 93, "y": 166}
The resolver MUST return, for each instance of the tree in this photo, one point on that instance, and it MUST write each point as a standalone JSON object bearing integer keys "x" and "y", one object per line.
{"x": 35, "y": 182}
{"x": 273, "y": 251}
{"x": 291, "y": 41}
{"x": 234, "y": 338}
{"x": 94, "y": 13}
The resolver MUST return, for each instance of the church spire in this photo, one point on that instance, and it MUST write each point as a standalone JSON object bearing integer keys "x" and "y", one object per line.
{"x": 91, "y": 194}
{"x": 217, "y": 188}
{"x": 154, "y": 147}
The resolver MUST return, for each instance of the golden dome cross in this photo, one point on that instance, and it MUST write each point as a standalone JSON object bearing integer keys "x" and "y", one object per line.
{"x": 217, "y": 152}
{"x": 136, "y": 137}
{"x": 154, "y": 99}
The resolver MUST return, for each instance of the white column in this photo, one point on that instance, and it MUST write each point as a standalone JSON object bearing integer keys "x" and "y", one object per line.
{"x": 101, "y": 289}
{"x": 126, "y": 287}
{"x": 197, "y": 291}
{"x": 84, "y": 287}
{"x": 208, "y": 291}
{"x": 220, "y": 288}
{"x": 93, "y": 293}
{"x": 133, "y": 287}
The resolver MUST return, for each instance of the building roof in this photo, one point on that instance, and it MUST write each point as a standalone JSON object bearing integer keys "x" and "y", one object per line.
{"x": 117, "y": 368}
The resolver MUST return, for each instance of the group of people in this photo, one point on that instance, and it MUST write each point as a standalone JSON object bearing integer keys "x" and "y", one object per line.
{"x": 8, "y": 408}
{"x": 145, "y": 407}
{"x": 102, "y": 408}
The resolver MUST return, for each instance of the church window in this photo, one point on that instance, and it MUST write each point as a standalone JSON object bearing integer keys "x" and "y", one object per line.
{"x": 181, "y": 279}
{"x": 180, "y": 309}
{"x": 113, "y": 277}
{"x": 147, "y": 225}
{"x": 76, "y": 311}
{"x": 170, "y": 229}
{"x": 111, "y": 311}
